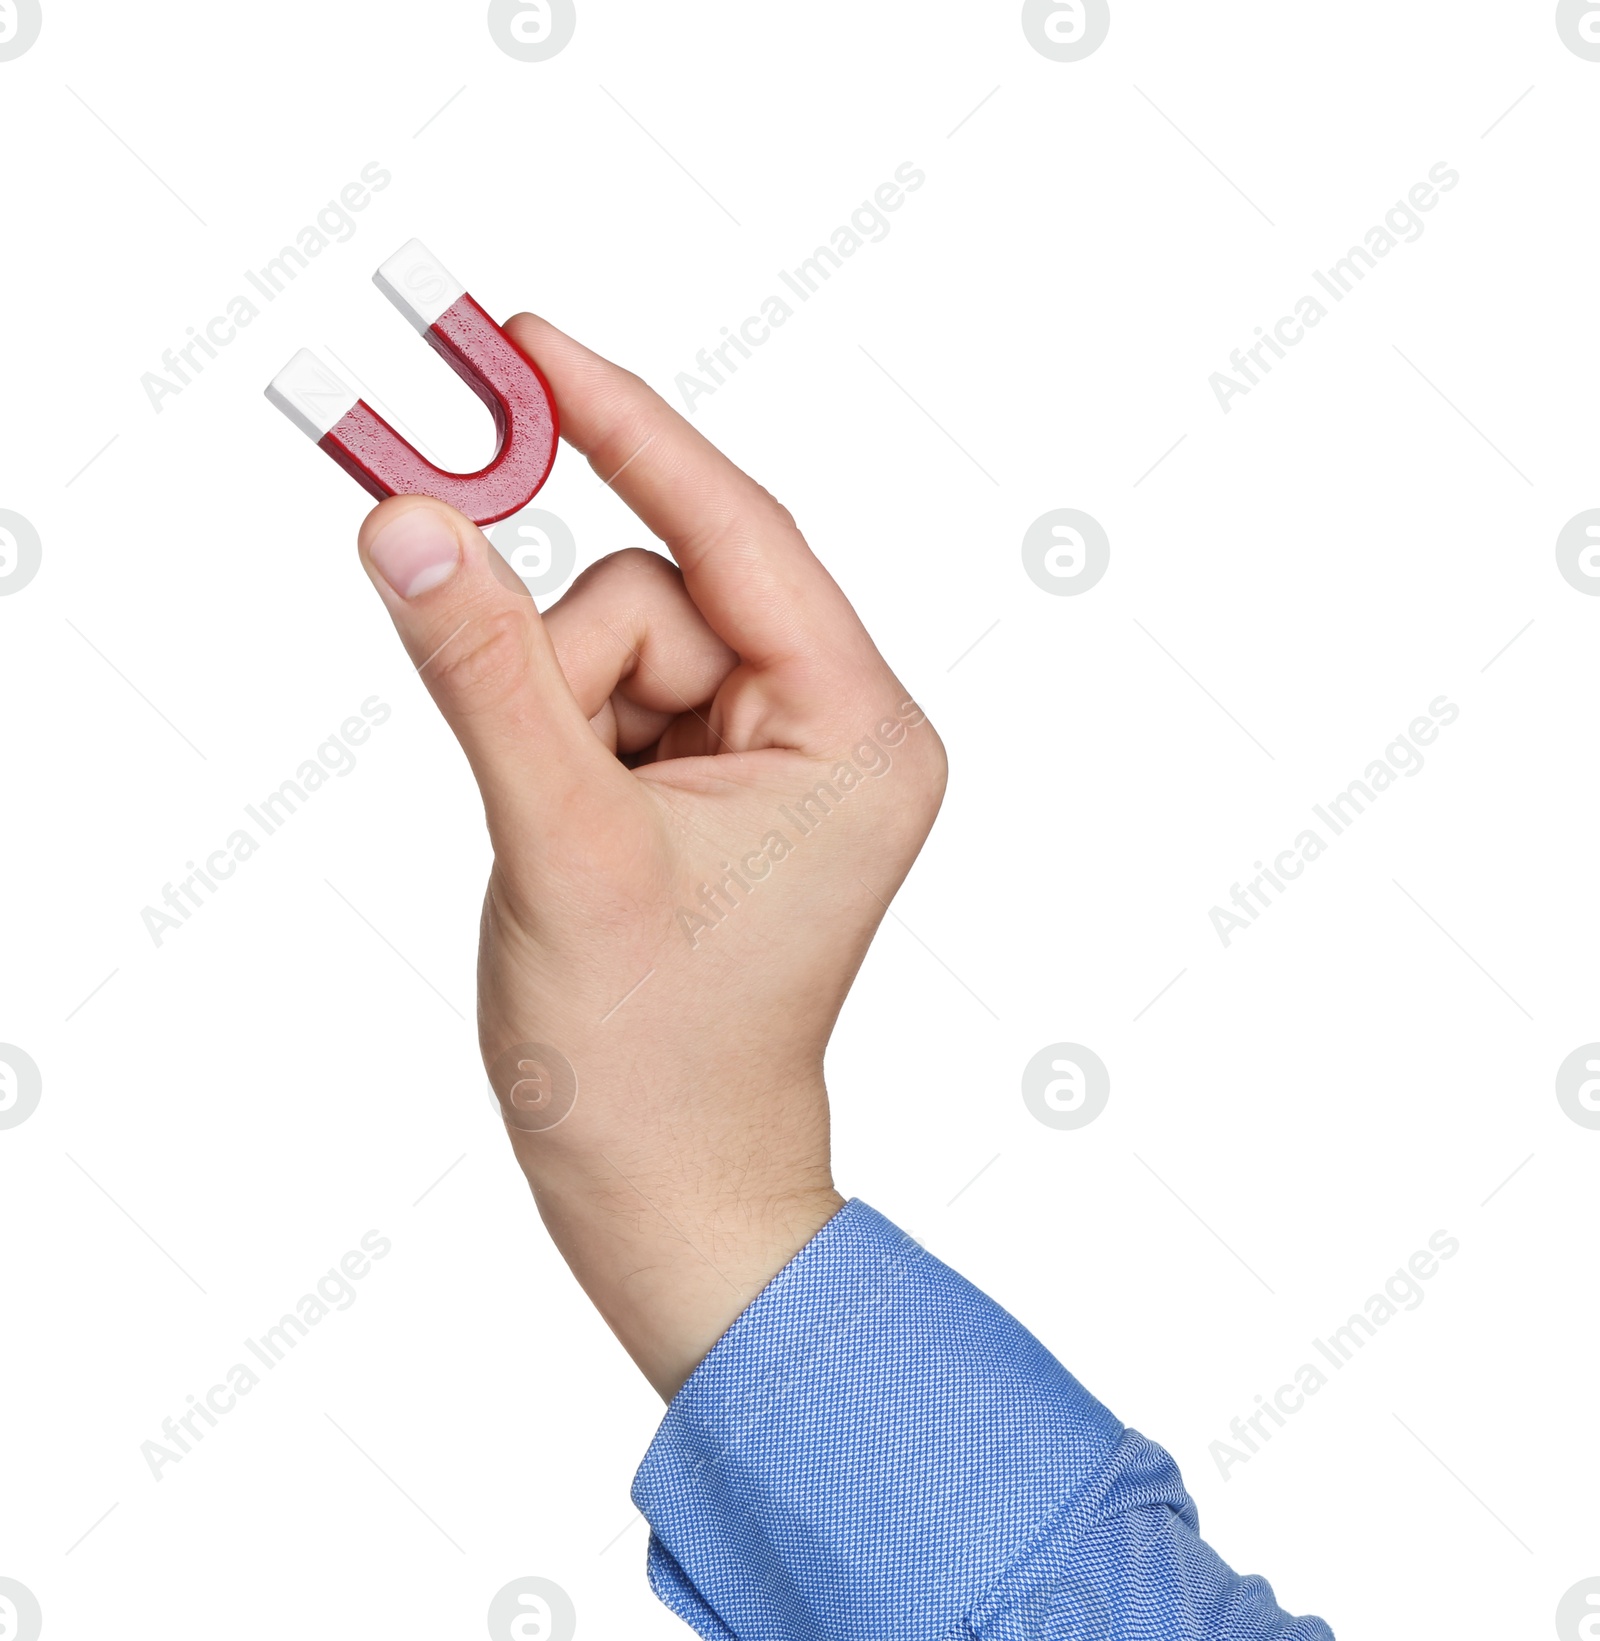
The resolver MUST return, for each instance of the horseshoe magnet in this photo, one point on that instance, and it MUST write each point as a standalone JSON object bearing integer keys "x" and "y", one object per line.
{"x": 477, "y": 350}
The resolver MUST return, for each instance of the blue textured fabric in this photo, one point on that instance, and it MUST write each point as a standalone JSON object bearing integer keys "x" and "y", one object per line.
{"x": 875, "y": 1451}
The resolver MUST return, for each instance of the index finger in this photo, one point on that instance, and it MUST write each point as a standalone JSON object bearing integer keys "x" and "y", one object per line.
{"x": 745, "y": 564}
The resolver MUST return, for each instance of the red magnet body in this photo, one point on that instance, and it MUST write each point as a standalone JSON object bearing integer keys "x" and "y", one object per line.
{"x": 479, "y": 351}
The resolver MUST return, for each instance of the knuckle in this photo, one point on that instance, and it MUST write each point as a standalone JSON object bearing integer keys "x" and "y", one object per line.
{"x": 484, "y": 666}
{"x": 925, "y": 765}
{"x": 635, "y": 567}
{"x": 936, "y": 771}
{"x": 777, "y": 512}
{"x": 630, "y": 578}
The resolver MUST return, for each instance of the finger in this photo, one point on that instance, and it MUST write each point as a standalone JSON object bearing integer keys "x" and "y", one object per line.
{"x": 637, "y": 654}
{"x": 481, "y": 649}
{"x": 746, "y": 565}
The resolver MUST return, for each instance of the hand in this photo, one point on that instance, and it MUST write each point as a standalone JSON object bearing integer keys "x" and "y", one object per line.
{"x": 703, "y": 785}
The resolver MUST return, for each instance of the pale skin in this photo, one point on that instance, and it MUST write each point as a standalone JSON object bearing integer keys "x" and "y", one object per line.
{"x": 629, "y": 746}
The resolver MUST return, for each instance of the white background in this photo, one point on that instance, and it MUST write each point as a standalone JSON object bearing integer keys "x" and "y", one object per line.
{"x": 228, "y": 1113}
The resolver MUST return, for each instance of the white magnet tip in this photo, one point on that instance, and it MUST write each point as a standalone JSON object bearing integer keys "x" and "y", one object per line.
{"x": 418, "y": 284}
{"x": 310, "y": 395}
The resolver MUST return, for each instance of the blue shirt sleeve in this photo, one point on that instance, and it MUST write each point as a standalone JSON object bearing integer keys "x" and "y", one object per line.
{"x": 875, "y": 1451}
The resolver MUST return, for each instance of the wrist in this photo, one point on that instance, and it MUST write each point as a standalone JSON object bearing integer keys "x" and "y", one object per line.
{"x": 671, "y": 1250}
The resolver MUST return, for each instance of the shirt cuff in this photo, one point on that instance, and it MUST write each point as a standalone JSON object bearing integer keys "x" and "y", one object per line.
{"x": 864, "y": 1451}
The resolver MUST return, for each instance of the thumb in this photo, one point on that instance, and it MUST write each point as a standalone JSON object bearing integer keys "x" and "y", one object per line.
{"x": 476, "y": 638}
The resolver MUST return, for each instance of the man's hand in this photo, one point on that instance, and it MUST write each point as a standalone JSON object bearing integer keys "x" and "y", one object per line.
{"x": 703, "y": 786}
